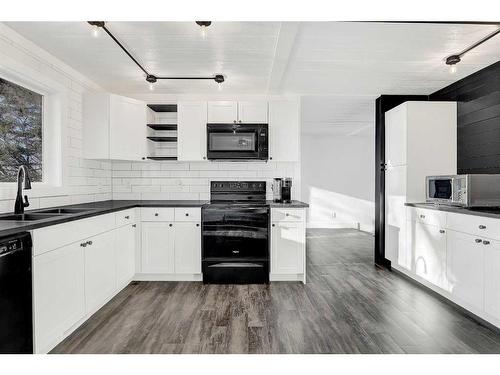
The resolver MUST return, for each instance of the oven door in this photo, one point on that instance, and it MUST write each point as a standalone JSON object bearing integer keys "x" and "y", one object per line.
{"x": 235, "y": 234}
{"x": 237, "y": 141}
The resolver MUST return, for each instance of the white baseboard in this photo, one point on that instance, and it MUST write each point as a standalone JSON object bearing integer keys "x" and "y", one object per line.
{"x": 167, "y": 277}
{"x": 287, "y": 277}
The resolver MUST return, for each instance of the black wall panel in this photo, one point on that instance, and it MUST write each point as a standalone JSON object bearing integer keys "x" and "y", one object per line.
{"x": 478, "y": 133}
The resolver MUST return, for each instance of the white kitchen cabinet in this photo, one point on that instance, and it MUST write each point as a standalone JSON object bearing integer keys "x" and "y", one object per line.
{"x": 428, "y": 246}
{"x": 253, "y": 112}
{"x": 58, "y": 292}
{"x": 465, "y": 268}
{"x": 187, "y": 247}
{"x": 158, "y": 252}
{"x": 223, "y": 112}
{"x": 114, "y": 127}
{"x": 411, "y": 155}
{"x": 100, "y": 269}
{"x": 284, "y": 130}
{"x": 287, "y": 248}
{"x": 192, "y": 131}
{"x": 125, "y": 242}
{"x": 492, "y": 278}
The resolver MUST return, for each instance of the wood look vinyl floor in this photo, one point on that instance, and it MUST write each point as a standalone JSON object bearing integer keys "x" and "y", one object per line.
{"x": 347, "y": 306}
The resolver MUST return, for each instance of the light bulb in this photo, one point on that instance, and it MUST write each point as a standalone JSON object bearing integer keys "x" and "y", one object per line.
{"x": 203, "y": 32}
{"x": 151, "y": 86}
{"x": 453, "y": 69}
{"x": 95, "y": 31}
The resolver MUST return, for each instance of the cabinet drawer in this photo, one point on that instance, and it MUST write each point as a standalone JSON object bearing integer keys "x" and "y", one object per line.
{"x": 476, "y": 225}
{"x": 188, "y": 214}
{"x": 288, "y": 214}
{"x": 424, "y": 216}
{"x": 55, "y": 236}
{"x": 157, "y": 214}
{"x": 125, "y": 217}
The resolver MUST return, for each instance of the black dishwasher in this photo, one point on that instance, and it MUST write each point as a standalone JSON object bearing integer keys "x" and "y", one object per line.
{"x": 16, "y": 322}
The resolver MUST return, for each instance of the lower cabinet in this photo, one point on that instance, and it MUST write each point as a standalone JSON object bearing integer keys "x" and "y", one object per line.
{"x": 287, "y": 248}
{"x": 187, "y": 248}
{"x": 100, "y": 269}
{"x": 125, "y": 243}
{"x": 465, "y": 265}
{"x": 492, "y": 278}
{"x": 428, "y": 246}
{"x": 157, "y": 247}
{"x": 58, "y": 292}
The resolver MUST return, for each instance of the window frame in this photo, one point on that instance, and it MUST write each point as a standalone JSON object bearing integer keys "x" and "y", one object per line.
{"x": 54, "y": 115}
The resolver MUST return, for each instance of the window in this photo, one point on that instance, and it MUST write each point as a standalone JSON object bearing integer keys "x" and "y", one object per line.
{"x": 21, "y": 117}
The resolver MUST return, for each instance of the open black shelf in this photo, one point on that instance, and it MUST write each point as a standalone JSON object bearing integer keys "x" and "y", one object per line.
{"x": 163, "y": 126}
{"x": 163, "y": 139}
{"x": 163, "y": 107}
{"x": 162, "y": 157}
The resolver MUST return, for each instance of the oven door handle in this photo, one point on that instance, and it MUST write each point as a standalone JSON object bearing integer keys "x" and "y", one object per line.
{"x": 235, "y": 265}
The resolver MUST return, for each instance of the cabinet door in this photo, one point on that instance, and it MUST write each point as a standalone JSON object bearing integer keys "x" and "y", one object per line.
{"x": 429, "y": 252}
{"x": 100, "y": 270}
{"x": 187, "y": 247}
{"x": 395, "y": 136}
{"x": 58, "y": 290}
{"x": 396, "y": 249}
{"x": 192, "y": 131}
{"x": 284, "y": 130}
{"x": 287, "y": 248}
{"x": 222, "y": 112}
{"x": 254, "y": 112}
{"x": 492, "y": 278}
{"x": 125, "y": 253}
{"x": 157, "y": 247}
{"x": 465, "y": 268}
{"x": 127, "y": 119}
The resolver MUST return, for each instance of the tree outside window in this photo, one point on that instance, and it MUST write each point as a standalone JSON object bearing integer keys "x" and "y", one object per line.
{"x": 21, "y": 114}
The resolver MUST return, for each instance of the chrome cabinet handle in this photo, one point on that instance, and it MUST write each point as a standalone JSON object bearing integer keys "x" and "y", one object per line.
{"x": 482, "y": 227}
{"x": 422, "y": 216}
{"x": 441, "y": 231}
{"x": 84, "y": 244}
{"x": 478, "y": 240}
{"x": 274, "y": 225}
{"x": 134, "y": 225}
{"x": 187, "y": 214}
{"x": 89, "y": 242}
{"x": 197, "y": 225}
{"x": 204, "y": 158}
{"x": 127, "y": 217}
{"x": 287, "y": 214}
{"x": 169, "y": 225}
{"x": 156, "y": 213}
{"x": 486, "y": 242}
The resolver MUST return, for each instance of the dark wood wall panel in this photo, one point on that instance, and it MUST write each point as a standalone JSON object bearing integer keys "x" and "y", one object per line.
{"x": 478, "y": 132}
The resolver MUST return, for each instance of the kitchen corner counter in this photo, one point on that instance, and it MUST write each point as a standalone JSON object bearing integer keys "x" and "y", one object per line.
{"x": 293, "y": 204}
{"x": 493, "y": 212}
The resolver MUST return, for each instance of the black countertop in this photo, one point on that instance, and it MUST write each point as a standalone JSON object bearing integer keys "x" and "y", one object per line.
{"x": 8, "y": 227}
{"x": 493, "y": 212}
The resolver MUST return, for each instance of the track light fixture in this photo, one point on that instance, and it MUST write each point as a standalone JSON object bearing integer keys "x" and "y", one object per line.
{"x": 453, "y": 60}
{"x": 203, "y": 25}
{"x": 150, "y": 78}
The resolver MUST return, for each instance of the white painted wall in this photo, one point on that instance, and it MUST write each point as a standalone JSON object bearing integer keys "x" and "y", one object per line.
{"x": 78, "y": 180}
{"x": 338, "y": 156}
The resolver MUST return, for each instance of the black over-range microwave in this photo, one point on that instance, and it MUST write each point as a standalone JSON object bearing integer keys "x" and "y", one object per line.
{"x": 237, "y": 141}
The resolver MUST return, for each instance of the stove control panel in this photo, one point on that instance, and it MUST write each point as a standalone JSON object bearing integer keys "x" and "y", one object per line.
{"x": 236, "y": 186}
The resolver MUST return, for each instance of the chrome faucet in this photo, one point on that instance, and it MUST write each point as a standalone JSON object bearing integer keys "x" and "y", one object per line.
{"x": 19, "y": 205}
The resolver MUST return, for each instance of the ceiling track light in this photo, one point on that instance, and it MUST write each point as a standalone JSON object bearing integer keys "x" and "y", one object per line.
{"x": 454, "y": 59}
{"x": 151, "y": 78}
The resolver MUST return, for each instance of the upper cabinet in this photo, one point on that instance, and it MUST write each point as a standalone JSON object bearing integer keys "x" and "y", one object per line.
{"x": 192, "y": 131}
{"x": 255, "y": 112}
{"x": 114, "y": 127}
{"x": 222, "y": 112}
{"x": 238, "y": 112}
{"x": 284, "y": 130}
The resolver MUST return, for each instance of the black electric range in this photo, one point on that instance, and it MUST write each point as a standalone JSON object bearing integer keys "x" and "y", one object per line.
{"x": 235, "y": 233}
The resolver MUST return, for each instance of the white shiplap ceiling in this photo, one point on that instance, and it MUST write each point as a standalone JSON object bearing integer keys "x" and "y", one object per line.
{"x": 339, "y": 67}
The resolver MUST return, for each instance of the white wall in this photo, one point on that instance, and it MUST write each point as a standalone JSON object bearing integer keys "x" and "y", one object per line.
{"x": 80, "y": 180}
{"x": 338, "y": 178}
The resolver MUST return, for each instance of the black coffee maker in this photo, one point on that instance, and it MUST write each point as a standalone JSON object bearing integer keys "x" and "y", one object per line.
{"x": 282, "y": 190}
